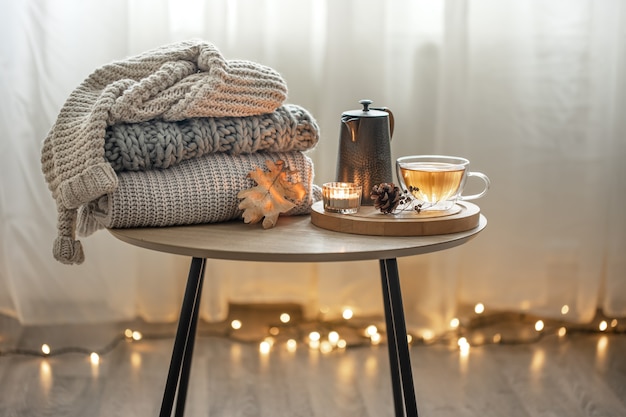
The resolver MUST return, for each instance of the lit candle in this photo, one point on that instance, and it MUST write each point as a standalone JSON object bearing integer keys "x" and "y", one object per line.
{"x": 341, "y": 197}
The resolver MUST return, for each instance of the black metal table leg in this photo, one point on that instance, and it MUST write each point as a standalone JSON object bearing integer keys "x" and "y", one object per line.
{"x": 180, "y": 365}
{"x": 396, "y": 383}
{"x": 399, "y": 359}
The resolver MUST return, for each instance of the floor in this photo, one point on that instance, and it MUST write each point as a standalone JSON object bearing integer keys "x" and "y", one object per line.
{"x": 580, "y": 374}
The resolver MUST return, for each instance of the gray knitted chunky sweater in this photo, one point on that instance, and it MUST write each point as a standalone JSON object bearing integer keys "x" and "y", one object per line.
{"x": 160, "y": 144}
{"x": 174, "y": 82}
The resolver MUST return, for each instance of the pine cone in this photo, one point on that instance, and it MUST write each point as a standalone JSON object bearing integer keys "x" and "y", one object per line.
{"x": 387, "y": 197}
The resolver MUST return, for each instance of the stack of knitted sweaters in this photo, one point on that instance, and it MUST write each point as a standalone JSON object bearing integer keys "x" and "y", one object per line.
{"x": 167, "y": 138}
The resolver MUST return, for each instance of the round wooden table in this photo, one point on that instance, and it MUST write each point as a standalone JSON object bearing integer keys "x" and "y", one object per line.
{"x": 293, "y": 239}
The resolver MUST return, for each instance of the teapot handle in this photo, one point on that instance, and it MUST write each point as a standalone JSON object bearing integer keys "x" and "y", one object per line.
{"x": 391, "y": 121}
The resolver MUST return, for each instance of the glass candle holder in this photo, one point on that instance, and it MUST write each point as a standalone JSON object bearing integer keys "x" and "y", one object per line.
{"x": 341, "y": 197}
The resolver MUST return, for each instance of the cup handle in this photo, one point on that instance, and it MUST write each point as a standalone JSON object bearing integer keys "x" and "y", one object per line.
{"x": 483, "y": 192}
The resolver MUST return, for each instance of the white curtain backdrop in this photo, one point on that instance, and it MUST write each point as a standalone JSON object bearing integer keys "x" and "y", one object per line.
{"x": 532, "y": 92}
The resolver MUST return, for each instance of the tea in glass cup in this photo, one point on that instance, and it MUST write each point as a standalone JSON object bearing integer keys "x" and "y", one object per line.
{"x": 436, "y": 182}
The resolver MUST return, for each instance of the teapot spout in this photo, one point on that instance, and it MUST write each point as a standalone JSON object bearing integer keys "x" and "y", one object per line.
{"x": 352, "y": 123}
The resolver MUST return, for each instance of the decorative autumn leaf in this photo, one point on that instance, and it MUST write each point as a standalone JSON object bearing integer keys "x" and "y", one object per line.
{"x": 271, "y": 196}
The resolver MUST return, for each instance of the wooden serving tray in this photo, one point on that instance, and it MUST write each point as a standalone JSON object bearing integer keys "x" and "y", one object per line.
{"x": 370, "y": 221}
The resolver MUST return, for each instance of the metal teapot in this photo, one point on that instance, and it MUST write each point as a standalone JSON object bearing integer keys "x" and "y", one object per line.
{"x": 365, "y": 148}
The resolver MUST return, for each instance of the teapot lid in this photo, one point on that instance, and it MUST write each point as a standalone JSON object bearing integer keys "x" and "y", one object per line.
{"x": 366, "y": 111}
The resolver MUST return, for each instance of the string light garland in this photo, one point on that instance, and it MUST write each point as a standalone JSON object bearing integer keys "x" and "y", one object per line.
{"x": 48, "y": 351}
{"x": 470, "y": 330}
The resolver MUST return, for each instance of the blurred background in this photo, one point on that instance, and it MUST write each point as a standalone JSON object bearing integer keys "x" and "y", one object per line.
{"x": 533, "y": 93}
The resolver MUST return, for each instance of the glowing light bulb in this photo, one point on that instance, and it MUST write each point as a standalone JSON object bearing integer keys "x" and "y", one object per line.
{"x": 562, "y": 331}
{"x": 236, "y": 324}
{"x": 128, "y": 333}
{"x": 347, "y": 314}
{"x": 614, "y": 323}
{"x": 603, "y": 325}
{"x": 479, "y": 308}
{"x": 274, "y": 331}
{"x": 333, "y": 338}
{"x": 409, "y": 339}
{"x": 341, "y": 343}
{"x": 428, "y": 335}
{"x": 326, "y": 347}
{"x": 375, "y": 338}
{"x": 94, "y": 358}
{"x": 285, "y": 317}
{"x": 45, "y": 349}
{"x": 314, "y": 336}
{"x": 564, "y": 309}
{"x": 137, "y": 335}
{"x": 464, "y": 346}
{"x": 371, "y": 330}
{"x": 454, "y": 323}
{"x": 264, "y": 347}
{"x": 292, "y": 345}
{"x": 497, "y": 338}
{"x": 539, "y": 325}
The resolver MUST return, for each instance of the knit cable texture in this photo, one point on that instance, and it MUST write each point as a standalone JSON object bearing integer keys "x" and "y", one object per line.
{"x": 198, "y": 190}
{"x": 173, "y": 82}
{"x": 160, "y": 144}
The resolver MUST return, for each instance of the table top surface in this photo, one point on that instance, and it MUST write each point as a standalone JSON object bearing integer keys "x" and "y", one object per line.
{"x": 293, "y": 239}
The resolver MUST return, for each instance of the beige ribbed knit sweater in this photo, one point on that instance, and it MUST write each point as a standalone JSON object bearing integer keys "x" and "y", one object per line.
{"x": 198, "y": 190}
{"x": 174, "y": 82}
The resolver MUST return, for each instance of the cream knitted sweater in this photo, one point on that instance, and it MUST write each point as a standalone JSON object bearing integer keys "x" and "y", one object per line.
{"x": 173, "y": 82}
{"x": 198, "y": 190}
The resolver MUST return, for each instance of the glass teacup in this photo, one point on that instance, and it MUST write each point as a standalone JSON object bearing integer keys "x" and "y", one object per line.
{"x": 436, "y": 182}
